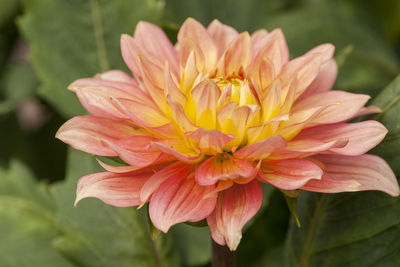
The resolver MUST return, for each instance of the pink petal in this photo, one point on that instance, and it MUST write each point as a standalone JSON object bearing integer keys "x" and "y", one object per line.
{"x": 141, "y": 113}
{"x": 193, "y": 30}
{"x": 89, "y": 133}
{"x": 129, "y": 90}
{"x": 299, "y": 120}
{"x": 367, "y": 110}
{"x": 117, "y": 169}
{"x": 100, "y": 104}
{"x": 326, "y": 50}
{"x": 152, "y": 39}
{"x": 261, "y": 149}
{"x": 342, "y": 106}
{"x": 153, "y": 80}
{"x": 171, "y": 87}
{"x": 372, "y": 172}
{"x": 192, "y": 60}
{"x": 261, "y": 40}
{"x": 173, "y": 171}
{"x": 361, "y": 136}
{"x": 115, "y": 189}
{"x": 136, "y": 150}
{"x": 221, "y": 34}
{"x": 223, "y": 167}
{"x": 189, "y": 69}
{"x": 305, "y": 68}
{"x": 221, "y": 186}
{"x": 130, "y": 51}
{"x": 116, "y": 76}
{"x": 180, "y": 199}
{"x": 205, "y": 96}
{"x": 237, "y": 56}
{"x": 289, "y": 174}
{"x": 210, "y": 141}
{"x": 269, "y": 128}
{"x": 95, "y": 94}
{"x": 306, "y": 147}
{"x": 235, "y": 207}
{"x": 271, "y": 101}
{"x": 262, "y": 72}
{"x": 324, "y": 81}
{"x": 329, "y": 184}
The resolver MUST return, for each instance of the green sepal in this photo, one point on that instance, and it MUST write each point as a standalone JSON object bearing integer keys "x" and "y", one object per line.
{"x": 291, "y": 201}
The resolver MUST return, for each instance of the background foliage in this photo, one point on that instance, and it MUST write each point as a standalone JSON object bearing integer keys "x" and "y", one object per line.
{"x": 46, "y": 44}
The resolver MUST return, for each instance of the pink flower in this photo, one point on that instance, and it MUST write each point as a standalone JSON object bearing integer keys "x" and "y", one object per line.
{"x": 204, "y": 122}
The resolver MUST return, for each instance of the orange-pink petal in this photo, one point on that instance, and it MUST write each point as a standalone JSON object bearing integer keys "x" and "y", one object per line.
{"x": 159, "y": 48}
{"x": 90, "y": 133}
{"x": 340, "y": 105}
{"x": 289, "y": 174}
{"x": 173, "y": 171}
{"x": 237, "y": 57}
{"x": 372, "y": 172}
{"x": 235, "y": 207}
{"x": 180, "y": 199}
{"x": 136, "y": 150}
{"x": 222, "y": 35}
{"x": 223, "y": 167}
{"x": 324, "y": 80}
{"x": 329, "y": 184}
{"x": 140, "y": 113}
{"x": 210, "y": 141}
{"x": 261, "y": 149}
{"x": 361, "y": 137}
{"x": 192, "y": 29}
{"x": 121, "y": 190}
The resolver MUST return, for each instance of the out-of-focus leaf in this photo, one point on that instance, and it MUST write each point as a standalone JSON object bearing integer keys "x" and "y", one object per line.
{"x": 372, "y": 63}
{"x": 74, "y": 39}
{"x": 27, "y": 225}
{"x": 193, "y": 243}
{"x": 243, "y": 15}
{"x": 96, "y": 234}
{"x": 8, "y": 11}
{"x": 18, "y": 83}
{"x": 389, "y": 101}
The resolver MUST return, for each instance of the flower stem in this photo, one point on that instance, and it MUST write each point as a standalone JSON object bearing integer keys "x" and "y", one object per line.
{"x": 222, "y": 256}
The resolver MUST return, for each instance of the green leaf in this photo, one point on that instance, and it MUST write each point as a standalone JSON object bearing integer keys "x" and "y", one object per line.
{"x": 96, "y": 234}
{"x": 27, "y": 224}
{"x": 75, "y": 39}
{"x": 352, "y": 229}
{"x": 389, "y": 101}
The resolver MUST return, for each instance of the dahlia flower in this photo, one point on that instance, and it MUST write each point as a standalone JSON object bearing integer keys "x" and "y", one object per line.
{"x": 201, "y": 124}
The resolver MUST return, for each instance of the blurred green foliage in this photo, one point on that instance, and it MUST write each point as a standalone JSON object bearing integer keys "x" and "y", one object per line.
{"x": 69, "y": 39}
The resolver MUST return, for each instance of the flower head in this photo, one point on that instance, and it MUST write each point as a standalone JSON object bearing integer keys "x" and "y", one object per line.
{"x": 201, "y": 124}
